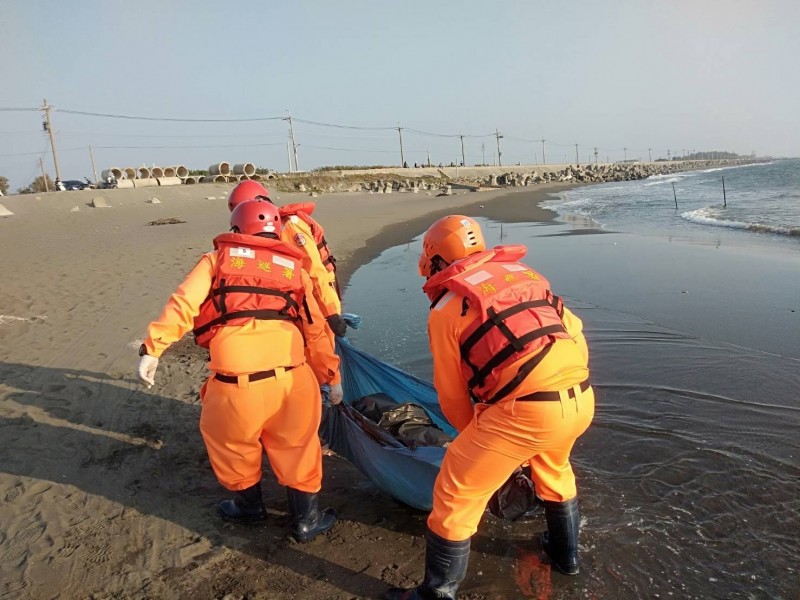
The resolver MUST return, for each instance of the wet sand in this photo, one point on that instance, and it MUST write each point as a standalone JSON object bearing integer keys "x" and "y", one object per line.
{"x": 106, "y": 489}
{"x": 688, "y": 475}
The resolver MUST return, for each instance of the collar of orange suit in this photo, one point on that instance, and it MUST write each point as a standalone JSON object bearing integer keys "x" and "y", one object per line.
{"x": 510, "y": 253}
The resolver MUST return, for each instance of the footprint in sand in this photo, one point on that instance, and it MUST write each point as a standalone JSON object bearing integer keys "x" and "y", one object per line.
{"x": 97, "y": 554}
{"x": 67, "y": 550}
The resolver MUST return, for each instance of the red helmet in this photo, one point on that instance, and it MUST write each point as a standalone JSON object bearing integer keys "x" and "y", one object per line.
{"x": 254, "y": 216}
{"x": 450, "y": 238}
{"x": 247, "y": 190}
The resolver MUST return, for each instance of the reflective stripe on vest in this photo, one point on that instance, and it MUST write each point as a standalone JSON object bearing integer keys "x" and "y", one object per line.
{"x": 255, "y": 278}
{"x": 518, "y": 316}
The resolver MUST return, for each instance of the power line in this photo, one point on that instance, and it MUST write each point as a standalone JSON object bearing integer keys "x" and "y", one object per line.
{"x": 446, "y": 135}
{"x": 137, "y": 118}
{"x": 42, "y": 152}
{"x": 150, "y": 148}
{"x": 179, "y": 147}
{"x": 18, "y": 109}
{"x": 307, "y": 122}
{"x": 351, "y": 149}
{"x": 243, "y": 120}
{"x": 148, "y": 135}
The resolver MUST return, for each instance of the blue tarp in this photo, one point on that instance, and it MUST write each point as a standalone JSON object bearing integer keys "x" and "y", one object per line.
{"x": 404, "y": 473}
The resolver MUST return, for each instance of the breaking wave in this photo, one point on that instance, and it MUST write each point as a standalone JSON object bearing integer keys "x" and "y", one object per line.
{"x": 709, "y": 216}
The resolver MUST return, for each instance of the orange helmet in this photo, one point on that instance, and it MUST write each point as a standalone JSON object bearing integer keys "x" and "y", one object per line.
{"x": 247, "y": 190}
{"x": 449, "y": 239}
{"x": 254, "y": 216}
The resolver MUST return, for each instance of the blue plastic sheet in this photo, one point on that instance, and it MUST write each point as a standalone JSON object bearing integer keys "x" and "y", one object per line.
{"x": 404, "y": 473}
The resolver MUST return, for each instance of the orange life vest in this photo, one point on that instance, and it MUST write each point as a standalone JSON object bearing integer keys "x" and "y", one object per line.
{"x": 255, "y": 278}
{"x": 518, "y": 316}
{"x": 303, "y": 211}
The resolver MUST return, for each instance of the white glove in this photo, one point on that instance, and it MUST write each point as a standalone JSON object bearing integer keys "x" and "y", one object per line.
{"x": 336, "y": 394}
{"x": 147, "y": 369}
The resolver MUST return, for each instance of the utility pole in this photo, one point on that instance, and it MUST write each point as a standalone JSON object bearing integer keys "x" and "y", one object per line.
{"x": 577, "y": 160}
{"x": 49, "y": 128}
{"x": 650, "y": 154}
{"x": 499, "y": 154}
{"x": 625, "y": 150}
{"x": 289, "y": 154}
{"x": 595, "y": 155}
{"x": 544, "y": 157}
{"x": 94, "y": 169}
{"x": 483, "y": 152}
{"x": 402, "y": 157}
{"x": 44, "y": 175}
{"x": 429, "y": 157}
{"x": 294, "y": 144}
{"x": 463, "y": 159}
{"x": 668, "y": 158}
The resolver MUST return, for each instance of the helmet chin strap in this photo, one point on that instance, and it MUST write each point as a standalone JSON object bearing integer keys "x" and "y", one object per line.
{"x": 438, "y": 264}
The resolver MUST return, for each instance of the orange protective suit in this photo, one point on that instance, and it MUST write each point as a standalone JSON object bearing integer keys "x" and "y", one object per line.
{"x": 301, "y": 231}
{"x": 495, "y": 439}
{"x": 282, "y": 412}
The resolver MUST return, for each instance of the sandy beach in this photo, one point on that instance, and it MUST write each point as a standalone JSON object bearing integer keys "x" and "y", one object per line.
{"x": 106, "y": 489}
{"x": 688, "y": 474}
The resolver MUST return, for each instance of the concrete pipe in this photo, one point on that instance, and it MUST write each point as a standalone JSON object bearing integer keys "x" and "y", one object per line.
{"x": 245, "y": 169}
{"x": 157, "y": 172}
{"x": 129, "y": 173}
{"x": 115, "y": 171}
{"x": 169, "y": 172}
{"x": 163, "y": 181}
{"x": 143, "y": 173}
{"x": 189, "y": 180}
{"x": 222, "y": 168}
{"x": 149, "y": 182}
{"x": 181, "y": 171}
{"x": 256, "y": 177}
{"x": 125, "y": 183}
{"x": 213, "y": 179}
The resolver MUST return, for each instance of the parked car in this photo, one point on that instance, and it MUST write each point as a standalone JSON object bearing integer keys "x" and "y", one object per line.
{"x": 75, "y": 184}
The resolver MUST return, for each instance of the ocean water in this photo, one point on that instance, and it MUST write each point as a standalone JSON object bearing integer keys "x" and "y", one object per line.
{"x": 689, "y": 477}
{"x": 759, "y": 199}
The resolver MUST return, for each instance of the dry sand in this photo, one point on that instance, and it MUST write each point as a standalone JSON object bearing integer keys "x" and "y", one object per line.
{"x": 105, "y": 488}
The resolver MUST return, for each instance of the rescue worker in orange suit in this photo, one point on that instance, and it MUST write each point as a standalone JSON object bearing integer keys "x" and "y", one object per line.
{"x": 510, "y": 369}
{"x": 249, "y": 302}
{"x": 302, "y": 231}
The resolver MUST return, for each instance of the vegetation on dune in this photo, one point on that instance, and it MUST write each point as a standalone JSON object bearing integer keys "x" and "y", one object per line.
{"x": 38, "y": 185}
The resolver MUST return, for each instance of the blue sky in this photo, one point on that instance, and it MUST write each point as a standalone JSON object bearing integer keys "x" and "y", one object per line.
{"x": 704, "y": 74}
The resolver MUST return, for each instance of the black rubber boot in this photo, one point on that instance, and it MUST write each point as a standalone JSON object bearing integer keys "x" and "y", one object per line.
{"x": 246, "y": 507}
{"x": 445, "y": 568}
{"x": 560, "y": 541}
{"x": 308, "y": 521}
